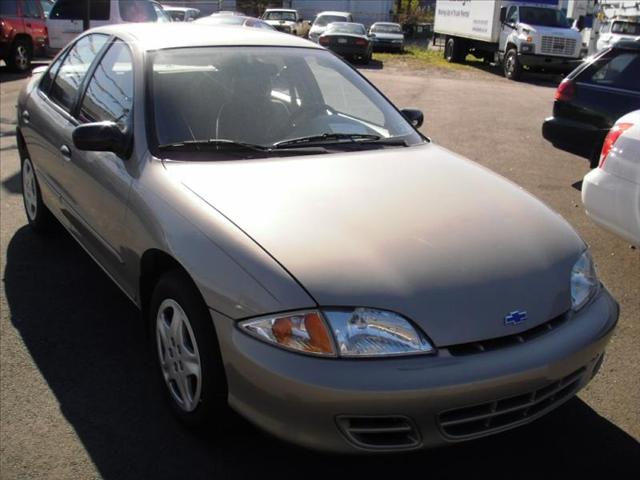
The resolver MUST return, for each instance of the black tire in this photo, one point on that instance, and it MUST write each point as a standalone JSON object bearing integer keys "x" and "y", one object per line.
{"x": 38, "y": 215}
{"x": 211, "y": 409}
{"x": 20, "y": 56}
{"x": 454, "y": 50}
{"x": 511, "y": 65}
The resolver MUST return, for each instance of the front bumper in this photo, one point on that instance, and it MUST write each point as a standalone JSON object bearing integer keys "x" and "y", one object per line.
{"x": 386, "y": 45}
{"x": 548, "y": 62}
{"x": 326, "y": 404}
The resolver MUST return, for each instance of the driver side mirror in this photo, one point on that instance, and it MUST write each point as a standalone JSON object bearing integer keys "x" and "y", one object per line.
{"x": 414, "y": 116}
{"x": 101, "y": 137}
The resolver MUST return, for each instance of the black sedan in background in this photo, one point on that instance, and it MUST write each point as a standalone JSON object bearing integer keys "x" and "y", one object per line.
{"x": 348, "y": 40}
{"x": 592, "y": 97}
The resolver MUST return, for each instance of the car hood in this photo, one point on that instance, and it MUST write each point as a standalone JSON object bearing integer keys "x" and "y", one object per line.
{"x": 389, "y": 36}
{"x": 419, "y": 231}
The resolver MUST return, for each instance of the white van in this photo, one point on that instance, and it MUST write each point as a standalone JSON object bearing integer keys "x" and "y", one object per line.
{"x": 65, "y": 20}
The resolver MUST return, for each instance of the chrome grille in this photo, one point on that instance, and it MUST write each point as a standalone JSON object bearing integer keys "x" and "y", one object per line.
{"x": 478, "y": 420}
{"x": 558, "y": 46}
{"x": 509, "y": 340}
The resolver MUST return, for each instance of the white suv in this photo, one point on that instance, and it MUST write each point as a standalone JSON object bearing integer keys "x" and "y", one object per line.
{"x": 65, "y": 20}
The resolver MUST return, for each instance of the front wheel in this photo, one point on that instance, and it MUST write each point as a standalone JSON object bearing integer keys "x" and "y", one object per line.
{"x": 511, "y": 65}
{"x": 187, "y": 352}
{"x": 453, "y": 50}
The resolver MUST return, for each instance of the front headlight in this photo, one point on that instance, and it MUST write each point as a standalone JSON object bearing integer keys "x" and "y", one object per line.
{"x": 360, "y": 332}
{"x": 584, "y": 281}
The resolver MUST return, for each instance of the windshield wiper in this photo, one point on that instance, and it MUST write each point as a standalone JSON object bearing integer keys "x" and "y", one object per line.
{"x": 326, "y": 138}
{"x": 214, "y": 142}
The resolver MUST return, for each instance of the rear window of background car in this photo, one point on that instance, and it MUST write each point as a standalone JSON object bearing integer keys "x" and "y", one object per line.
{"x": 75, "y": 10}
{"x": 618, "y": 69}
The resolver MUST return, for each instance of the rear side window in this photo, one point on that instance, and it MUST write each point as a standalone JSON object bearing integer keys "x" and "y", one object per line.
{"x": 138, "y": 11}
{"x": 618, "y": 69}
{"x": 50, "y": 74}
{"x": 75, "y": 10}
{"x": 74, "y": 68}
{"x": 8, "y": 8}
{"x": 109, "y": 96}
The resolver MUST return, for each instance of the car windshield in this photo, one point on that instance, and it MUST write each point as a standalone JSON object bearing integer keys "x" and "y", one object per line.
{"x": 352, "y": 28}
{"x": 545, "y": 17}
{"x": 263, "y": 96}
{"x": 324, "y": 20}
{"x": 288, "y": 16}
{"x": 626, "y": 28}
{"x": 386, "y": 29}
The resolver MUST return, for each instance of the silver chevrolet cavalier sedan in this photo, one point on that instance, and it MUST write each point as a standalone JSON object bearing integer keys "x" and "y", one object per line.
{"x": 299, "y": 251}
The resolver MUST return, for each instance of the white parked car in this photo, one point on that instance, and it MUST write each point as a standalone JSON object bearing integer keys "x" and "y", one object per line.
{"x": 287, "y": 21}
{"x": 323, "y": 20}
{"x": 65, "y": 20}
{"x": 612, "y": 32}
{"x": 611, "y": 192}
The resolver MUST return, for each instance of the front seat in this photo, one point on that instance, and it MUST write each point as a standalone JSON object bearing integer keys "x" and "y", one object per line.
{"x": 251, "y": 115}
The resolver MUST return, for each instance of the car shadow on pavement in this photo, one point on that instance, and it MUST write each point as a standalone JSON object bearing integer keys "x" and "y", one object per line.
{"x": 372, "y": 65}
{"x": 541, "y": 79}
{"x": 87, "y": 340}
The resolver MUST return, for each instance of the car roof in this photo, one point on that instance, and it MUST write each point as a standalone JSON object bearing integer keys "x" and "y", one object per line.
{"x": 337, "y": 24}
{"x": 280, "y": 10}
{"x": 391, "y": 24}
{"x": 157, "y": 36}
{"x": 171, "y": 8}
{"x": 342, "y": 14}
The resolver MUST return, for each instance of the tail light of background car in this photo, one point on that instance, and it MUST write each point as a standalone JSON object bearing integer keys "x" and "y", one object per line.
{"x": 566, "y": 90}
{"x": 324, "y": 41}
{"x": 361, "y": 41}
{"x": 611, "y": 139}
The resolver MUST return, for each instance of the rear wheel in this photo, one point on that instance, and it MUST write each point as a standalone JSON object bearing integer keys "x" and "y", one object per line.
{"x": 511, "y": 65}
{"x": 20, "y": 56}
{"x": 38, "y": 215}
{"x": 453, "y": 50}
{"x": 187, "y": 352}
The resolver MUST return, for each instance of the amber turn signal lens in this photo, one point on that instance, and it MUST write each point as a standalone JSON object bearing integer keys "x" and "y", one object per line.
{"x": 318, "y": 333}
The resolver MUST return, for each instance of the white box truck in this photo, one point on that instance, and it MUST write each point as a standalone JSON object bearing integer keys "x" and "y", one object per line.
{"x": 518, "y": 35}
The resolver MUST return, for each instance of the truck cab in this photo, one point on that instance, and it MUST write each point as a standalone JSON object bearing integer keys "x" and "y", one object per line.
{"x": 537, "y": 37}
{"x": 287, "y": 21}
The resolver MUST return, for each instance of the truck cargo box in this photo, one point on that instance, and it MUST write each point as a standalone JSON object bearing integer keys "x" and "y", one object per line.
{"x": 476, "y": 19}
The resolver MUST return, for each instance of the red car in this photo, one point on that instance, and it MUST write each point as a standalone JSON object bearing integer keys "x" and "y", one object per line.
{"x": 23, "y": 32}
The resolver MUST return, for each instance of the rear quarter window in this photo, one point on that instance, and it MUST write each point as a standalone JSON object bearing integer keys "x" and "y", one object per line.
{"x": 617, "y": 69}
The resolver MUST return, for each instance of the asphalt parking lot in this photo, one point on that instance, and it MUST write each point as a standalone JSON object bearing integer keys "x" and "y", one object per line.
{"x": 76, "y": 395}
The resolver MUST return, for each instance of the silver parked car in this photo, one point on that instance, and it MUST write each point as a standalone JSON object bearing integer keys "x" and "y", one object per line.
{"x": 299, "y": 250}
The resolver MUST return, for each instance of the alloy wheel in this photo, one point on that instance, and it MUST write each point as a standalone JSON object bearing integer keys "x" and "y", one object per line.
{"x": 22, "y": 57}
{"x": 29, "y": 190}
{"x": 178, "y": 355}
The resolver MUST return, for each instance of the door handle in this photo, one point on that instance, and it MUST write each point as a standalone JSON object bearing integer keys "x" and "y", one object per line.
{"x": 25, "y": 116}
{"x": 66, "y": 153}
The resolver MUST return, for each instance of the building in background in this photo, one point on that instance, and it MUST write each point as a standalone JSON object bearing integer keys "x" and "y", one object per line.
{"x": 364, "y": 11}
{"x": 206, "y": 7}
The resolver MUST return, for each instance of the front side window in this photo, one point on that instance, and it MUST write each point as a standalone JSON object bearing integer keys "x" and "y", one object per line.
{"x": 74, "y": 68}
{"x": 137, "y": 11}
{"x": 262, "y": 96}
{"x": 109, "y": 95}
{"x": 618, "y": 69}
{"x": 162, "y": 16}
{"x": 512, "y": 15}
